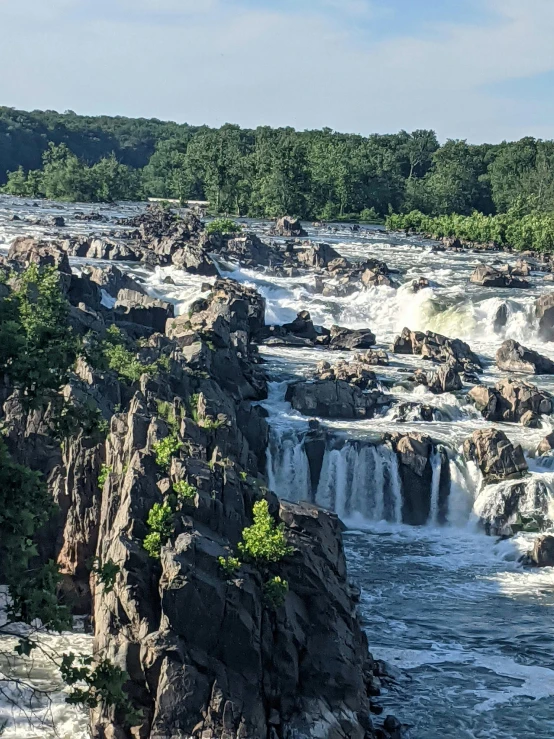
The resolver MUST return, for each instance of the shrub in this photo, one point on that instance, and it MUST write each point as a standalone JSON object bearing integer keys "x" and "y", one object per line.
{"x": 105, "y": 471}
{"x": 264, "y": 542}
{"x": 166, "y": 449}
{"x": 223, "y": 226}
{"x": 115, "y": 355}
{"x": 185, "y": 490}
{"x": 275, "y": 591}
{"x": 160, "y": 523}
{"x": 229, "y": 565}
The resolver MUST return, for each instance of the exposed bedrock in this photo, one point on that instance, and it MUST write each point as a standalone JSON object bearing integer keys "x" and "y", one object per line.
{"x": 512, "y": 401}
{"x": 495, "y": 455}
{"x": 513, "y": 357}
{"x": 335, "y": 399}
{"x": 487, "y": 276}
{"x": 437, "y": 348}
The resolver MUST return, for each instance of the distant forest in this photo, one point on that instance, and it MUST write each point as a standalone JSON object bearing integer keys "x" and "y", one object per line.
{"x": 269, "y": 172}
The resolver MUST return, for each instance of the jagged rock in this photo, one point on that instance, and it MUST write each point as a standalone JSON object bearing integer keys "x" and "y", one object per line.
{"x": 513, "y": 357}
{"x": 372, "y": 278}
{"x": 405, "y": 412}
{"x": 546, "y": 445}
{"x": 373, "y": 357}
{"x": 445, "y": 380}
{"x": 355, "y": 373}
{"x": 345, "y": 338}
{"x": 501, "y": 318}
{"x": 330, "y": 399}
{"x": 319, "y": 255}
{"x": 542, "y": 554}
{"x": 422, "y": 283}
{"x": 112, "y": 279}
{"x": 134, "y": 307}
{"x": 544, "y": 311}
{"x": 414, "y": 456}
{"x": 495, "y": 455}
{"x": 249, "y": 249}
{"x": 512, "y": 401}
{"x": 437, "y": 348}
{"x": 100, "y": 248}
{"x": 488, "y": 276}
{"x": 28, "y": 250}
{"x": 194, "y": 259}
{"x": 303, "y": 327}
{"x": 288, "y": 226}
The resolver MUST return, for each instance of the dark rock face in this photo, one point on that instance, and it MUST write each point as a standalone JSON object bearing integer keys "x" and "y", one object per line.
{"x": 28, "y": 250}
{"x": 495, "y": 455}
{"x": 544, "y": 311}
{"x": 288, "y": 226}
{"x": 134, "y": 307}
{"x": 445, "y": 380}
{"x": 513, "y": 357}
{"x": 345, "y": 338}
{"x": 356, "y": 373}
{"x": 543, "y": 551}
{"x": 488, "y": 276}
{"x": 512, "y": 401}
{"x": 437, "y": 348}
{"x": 330, "y": 399}
{"x": 414, "y": 456}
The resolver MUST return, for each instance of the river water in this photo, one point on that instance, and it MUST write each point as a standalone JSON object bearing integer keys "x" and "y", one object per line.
{"x": 466, "y": 629}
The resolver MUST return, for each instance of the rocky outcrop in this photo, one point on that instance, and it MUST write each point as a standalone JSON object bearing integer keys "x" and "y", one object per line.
{"x": 136, "y": 308}
{"x": 495, "y": 455}
{"x": 437, "y": 348}
{"x": 488, "y": 276}
{"x": 542, "y": 554}
{"x": 319, "y": 256}
{"x": 350, "y": 339}
{"x": 513, "y": 357}
{"x": 512, "y": 401}
{"x": 414, "y": 452}
{"x": 287, "y": 226}
{"x": 544, "y": 312}
{"x": 546, "y": 445}
{"x": 445, "y": 380}
{"x": 28, "y": 250}
{"x": 334, "y": 399}
{"x": 356, "y": 373}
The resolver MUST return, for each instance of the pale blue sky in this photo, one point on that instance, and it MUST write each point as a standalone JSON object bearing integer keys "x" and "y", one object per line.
{"x": 476, "y": 69}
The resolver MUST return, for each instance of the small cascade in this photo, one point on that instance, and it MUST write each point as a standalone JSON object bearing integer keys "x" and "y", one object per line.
{"x": 465, "y": 482}
{"x": 436, "y": 466}
{"x": 288, "y": 468}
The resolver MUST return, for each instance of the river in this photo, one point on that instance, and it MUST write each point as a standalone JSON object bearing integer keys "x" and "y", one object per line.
{"x": 466, "y": 629}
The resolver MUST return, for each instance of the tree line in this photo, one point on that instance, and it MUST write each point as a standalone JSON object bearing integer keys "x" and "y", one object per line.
{"x": 267, "y": 172}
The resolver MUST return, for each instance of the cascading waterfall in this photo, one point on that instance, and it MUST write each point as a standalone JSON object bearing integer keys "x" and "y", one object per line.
{"x": 436, "y": 466}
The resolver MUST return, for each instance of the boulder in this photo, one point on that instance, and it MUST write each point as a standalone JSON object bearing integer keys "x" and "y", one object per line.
{"x": 334, "y": 399}
{"x": 355, "y": 373}
{"x": 318, "y": 255}
{"x": 513, "y": 357}
{"x": 544, "y": 311}
{"x": 445, "y": 380}
{"x": 134, "y": 307}
{"x": 546, "y": 445}
{"x": 437, "y": 348}
{"x": 288, "y": 227}
{"x": 373, "y": 357}
{"x": 495, "y": 455}
{"x": 112, "y": 279}
{"x": 512, "y": 401}
{"x": 345, "y": 338}
{"x": 194, "y": 259}
{"x": 488, "y": 276}
{"x": 542, "y": 554}
{"x": 303, "y": 327}
{"x": 373, "y": 278}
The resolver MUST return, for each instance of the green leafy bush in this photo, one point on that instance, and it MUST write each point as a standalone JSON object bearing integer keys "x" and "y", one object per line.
{"x": 103, "y": 475}
{"x": 160, "y": 523}
{"x": 185, "y": 491}
{"x": 105, "y": 572}
{"x": 229, "y": 565}
{"x": 166, "y": 449}
{"x": 223, "y": 227}
{"x": 275, "y": 591}
{"x": 264, "y": 542}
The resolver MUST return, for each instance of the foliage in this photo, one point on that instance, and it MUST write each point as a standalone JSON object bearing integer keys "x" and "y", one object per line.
{"x": 106, "y": 573}
{"x": 103, "y": 683}
{"x": 160, "y": 523}
{"x": 275, "y": 591}
{"x": 105, "y": 472}
{"x": 74, "y": 417}
{"x": 118, "y": 353}
{"x": 264, "y": 542}
{"x": 223, "y": 226}
{"x": 229, "y": 565}
{"x": 185, "y": 490}
{"x": 522, "y": 231}
{"x": 166, "y": 448}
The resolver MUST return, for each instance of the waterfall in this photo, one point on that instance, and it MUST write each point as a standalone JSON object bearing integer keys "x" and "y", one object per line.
{"x": 436, "y": 466}
{"x": 287, "y": 465}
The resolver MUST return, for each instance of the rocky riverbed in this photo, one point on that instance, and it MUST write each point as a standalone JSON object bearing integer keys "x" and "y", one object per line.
{"x": 403, "y": 386}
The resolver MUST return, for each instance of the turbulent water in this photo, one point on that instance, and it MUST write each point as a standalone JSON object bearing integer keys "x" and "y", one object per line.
{"x": 467, "y": 630}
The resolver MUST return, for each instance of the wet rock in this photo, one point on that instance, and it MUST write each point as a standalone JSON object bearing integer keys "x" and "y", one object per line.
{"x": 544, "y": 311}
{"x": 371, "y": 278}
{"x": 112, "y": 279}
{"x": 406, "y": 412}
{"x": 488, "y": 276}
{"x": 542, "y": 554}
{"x": 194, "y": 259}
{"x": 378, "y": 357}
{"x": 303, "y": 327}
{"x": 422, "y": 283}
{"x": 345, "y": 338}
{"x": 445, "y": 380}
{"x": 546, "y": 445}
{"x": 437, "y": 348}
{"x": 512, "y": 401}
{"x": 319, "y": 256}
{"x": 501, "y": 318}
{"x": 334, "y": 399}
{"x": 513, "y": 357}
{"x": 356, "y": 373}
{"x": 495, "y": 455}
{"x": 288, "y": 227}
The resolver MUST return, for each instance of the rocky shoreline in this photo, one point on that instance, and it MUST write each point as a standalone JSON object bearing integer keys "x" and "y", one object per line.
{"x": 205, "y": 654}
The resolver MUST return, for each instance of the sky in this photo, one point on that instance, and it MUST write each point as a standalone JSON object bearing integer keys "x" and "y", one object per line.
{"x": 481, "y": 70}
